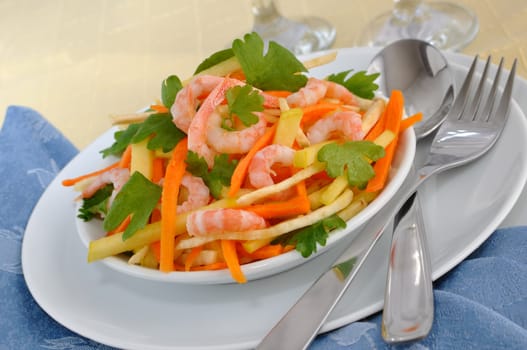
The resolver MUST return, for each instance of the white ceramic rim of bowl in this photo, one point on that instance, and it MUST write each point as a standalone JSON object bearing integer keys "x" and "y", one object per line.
{"x": 403, "y": 162}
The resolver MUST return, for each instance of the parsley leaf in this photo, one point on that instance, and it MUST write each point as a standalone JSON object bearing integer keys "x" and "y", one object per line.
{"x": 214, "y": 59}
{"x": 138, "y": 197}
{"x": 165, "y": 133}
{"x": 215, "y": 178}
{"x": 360, "y": 83}
{"x": 122, "y": 140}
{"x": 169, "y": 89}
{"x": 276, "y": 70}
{"x": 96, "y": 204}
{"x": 305, "y": 239}
{"x": 243, "y": 101}
{"x": 353, "y": 158}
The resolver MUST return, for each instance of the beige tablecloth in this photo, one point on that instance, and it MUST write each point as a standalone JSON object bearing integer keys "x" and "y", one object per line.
{"x": 78, "y": 61}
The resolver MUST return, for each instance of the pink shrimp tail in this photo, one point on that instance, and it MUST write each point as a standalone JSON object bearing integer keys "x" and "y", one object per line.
{"x": 197, "y": 131}
{"x": 217, "y": 221}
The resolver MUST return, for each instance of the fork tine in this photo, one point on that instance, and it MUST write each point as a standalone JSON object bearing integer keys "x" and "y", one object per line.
{"x": 474, "y": 106}
{"x": 485, "y": 114}
{"x": 462, "y": 96}
{"x": 501, "y": 114}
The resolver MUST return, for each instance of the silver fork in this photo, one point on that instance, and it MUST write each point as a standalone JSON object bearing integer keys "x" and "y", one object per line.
{"x": 468, "y": 132}
{"x": 394, "y": 327}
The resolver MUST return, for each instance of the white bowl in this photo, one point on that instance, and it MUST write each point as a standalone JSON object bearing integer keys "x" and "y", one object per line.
{"x": 402, "y": 163}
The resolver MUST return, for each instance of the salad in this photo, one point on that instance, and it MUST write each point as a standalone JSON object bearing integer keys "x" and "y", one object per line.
{"x": 246, "y": 160}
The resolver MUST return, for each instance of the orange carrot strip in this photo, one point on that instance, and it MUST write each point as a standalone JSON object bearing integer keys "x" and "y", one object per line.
{"x": 278, "y": 93}
{"x": 238, "y": 176}
{"x": 214, "y": 266}
{"x": 377, "y": 128}
{"x": 411, "y": 120}
{"x": 158, "y": 172}
{"x": 71, "y": 182}
{"x": 294, "y": 206}
{"x": 156, "y": 249}
{"x": 228, "y": 248}
{"x": 194, "y": 253}
{"x": 159, "y": 108}
{"x": 394, "y": 113}
{"x": 314, "y": 112}
{"x": 301, "y": 189}
{"x": 126, "y": 158}
{"x": 169, "y": 196}
{"x": 239, "y": 74}
{"x": 122, "y": 226}
{"x": 267, "y": 251}
{"x": 210, "y": 267}
{"x": 155, "y": 216}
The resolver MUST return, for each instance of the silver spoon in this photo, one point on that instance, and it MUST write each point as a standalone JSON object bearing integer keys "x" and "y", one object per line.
{"x": 421, "y": 72}
{"x": 422, "y": 64}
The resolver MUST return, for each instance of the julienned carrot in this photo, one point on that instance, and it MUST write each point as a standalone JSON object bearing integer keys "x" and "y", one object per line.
{"x": 238, "y": 74}
{"x": 278, "y": 93}
{"x": 314, "y": 112}
{"x": 267, "y": 251}
{"x": 209, "y": 267}
{"x": 194, "y": 253}
{"x": 411, "y": 120}
{"x": 122, "y": 226}
{"x": 228, "y": 248}
{"x": 159, "y": 108}
{"x": 394, "y": 113}
{"x": 378, "y": 128}
{"x": 126, "y": 158}
{"x": 238, "y": 176}
{"x": 157, "y": 170}
{"x": 156, "y": 249}
{"x": 169, "y": 196}
{"x": 295, "y": 206}
{"x": 71, "y": 182}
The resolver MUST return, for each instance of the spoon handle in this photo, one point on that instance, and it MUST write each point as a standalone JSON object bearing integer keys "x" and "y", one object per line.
{"x": 409, "y": 301}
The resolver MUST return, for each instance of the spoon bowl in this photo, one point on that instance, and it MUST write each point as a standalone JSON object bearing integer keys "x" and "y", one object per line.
{"x": 421, "y": 72}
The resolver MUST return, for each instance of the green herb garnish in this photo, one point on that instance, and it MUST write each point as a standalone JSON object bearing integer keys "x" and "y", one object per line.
{"x": 276, "y": 70}
{"x": 243, "y": 101}
{"x": 169, "y": 89}
{"x": 353, "y": 158}
{"x": 215, "y": 178}
{"x": 360, "y": 83}
{"x": 138, "y": 197}
{"x": 95, "y": 205}
{"x": 165, "y": 135}
{"x": 305, "y": 239}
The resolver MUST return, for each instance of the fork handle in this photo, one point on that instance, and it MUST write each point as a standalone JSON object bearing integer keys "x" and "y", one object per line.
{"x": 409, "y": 301}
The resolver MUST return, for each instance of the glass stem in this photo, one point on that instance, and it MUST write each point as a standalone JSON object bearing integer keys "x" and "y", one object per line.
{"x": 264, "y": 11}
{"x": 406, "y": 10}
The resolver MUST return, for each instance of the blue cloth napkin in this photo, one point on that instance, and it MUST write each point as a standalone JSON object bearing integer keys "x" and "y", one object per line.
{"x": 481, "y": 304}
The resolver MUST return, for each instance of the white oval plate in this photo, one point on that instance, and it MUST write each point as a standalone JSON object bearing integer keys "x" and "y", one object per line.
{"x": 462, "y": 208}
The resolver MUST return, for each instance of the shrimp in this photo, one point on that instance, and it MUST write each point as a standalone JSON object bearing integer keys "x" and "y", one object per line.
{"x": 197, "y": 131}
{"x": 260, "y": 167}
{"x": 347, "y": 124}
{"x": 237, "y": 141}
{"x": 217, "y": 221}
{"x": 186, "y": 102}
{"x": 317, "y": 89}
{"x": 198, "y": 193}
{"x": 116, "y": 176}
